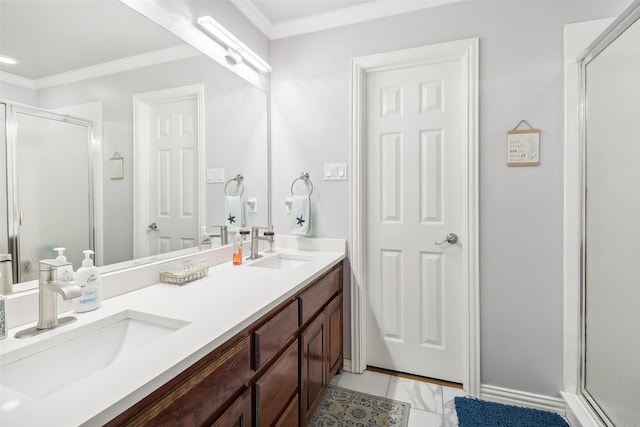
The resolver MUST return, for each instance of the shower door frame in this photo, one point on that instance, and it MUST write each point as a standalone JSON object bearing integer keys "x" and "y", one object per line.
{"x": 13, "y": 215}
{"x": 613, "y": 31}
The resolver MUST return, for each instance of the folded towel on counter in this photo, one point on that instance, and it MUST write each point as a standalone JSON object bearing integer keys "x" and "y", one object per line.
{"x": 233, "y": 213}
{"x": 301, "y": 215}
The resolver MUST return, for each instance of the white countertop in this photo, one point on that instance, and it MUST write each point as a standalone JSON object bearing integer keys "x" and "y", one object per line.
{"x": 216, "y": 308}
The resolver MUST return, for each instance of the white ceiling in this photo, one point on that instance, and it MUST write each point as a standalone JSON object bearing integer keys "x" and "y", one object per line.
{"x": 54, "y": 36}
{"x": 285, "y": 18}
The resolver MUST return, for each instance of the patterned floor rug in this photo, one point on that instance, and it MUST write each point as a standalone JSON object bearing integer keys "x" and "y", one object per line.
{"x": 340, "y": 407}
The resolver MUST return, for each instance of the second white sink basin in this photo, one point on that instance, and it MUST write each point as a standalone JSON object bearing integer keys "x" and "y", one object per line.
{"x": 282, "y": 262}
{"x": 50, "y": 365}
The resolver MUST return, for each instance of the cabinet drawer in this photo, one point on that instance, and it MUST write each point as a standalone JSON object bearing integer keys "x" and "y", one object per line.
{"x": 313, "y": 299}
{"x": 196, "y": 399}
{"x": 275, "y": 388}
{"x": 273, "y": 335}
{"x": 238, "y": 415}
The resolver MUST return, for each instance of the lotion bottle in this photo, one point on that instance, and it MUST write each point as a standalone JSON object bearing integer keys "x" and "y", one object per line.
{"x": 88, "y": 278}
{"x": 64, "y": 273}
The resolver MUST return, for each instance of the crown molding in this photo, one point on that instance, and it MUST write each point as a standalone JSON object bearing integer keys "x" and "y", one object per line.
{"x": 340, "y": 17}
{"x": 125, "y": 64}
{"x": 16, "y": 80}
{"x": 132, "y": 62}
{"x": 253, "y": 14}
{"x": 351, "y": 15}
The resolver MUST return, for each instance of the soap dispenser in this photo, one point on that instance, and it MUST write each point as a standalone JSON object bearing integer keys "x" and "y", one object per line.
{"x": 64, "y": 273}
{"x": 88, "y": 278}
{"x": 237, "y": 248}
{"x": 205, "y": 239}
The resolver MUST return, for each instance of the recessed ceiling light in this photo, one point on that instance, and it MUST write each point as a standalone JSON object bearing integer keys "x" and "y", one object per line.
{"x": 4, "y": 59}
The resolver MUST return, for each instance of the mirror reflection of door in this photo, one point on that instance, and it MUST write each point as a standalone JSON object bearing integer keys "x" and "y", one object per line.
{"x": 168, "y": 134}
{"x": 53, "y": 190}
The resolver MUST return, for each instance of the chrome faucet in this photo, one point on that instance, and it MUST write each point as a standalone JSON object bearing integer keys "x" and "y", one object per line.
{"x": 48, "y": 288}
{"x": 255, "y": 237}
{"x": 224, "y": 235}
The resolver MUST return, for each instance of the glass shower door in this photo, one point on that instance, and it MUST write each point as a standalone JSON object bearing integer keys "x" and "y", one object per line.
{"x": 52, "y": 189}
{"x": 611, "y": 338}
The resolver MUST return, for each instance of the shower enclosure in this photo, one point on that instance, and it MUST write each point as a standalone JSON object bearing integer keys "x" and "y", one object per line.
{"x": 610, "y": 376}
{"x": 48, "y": 187}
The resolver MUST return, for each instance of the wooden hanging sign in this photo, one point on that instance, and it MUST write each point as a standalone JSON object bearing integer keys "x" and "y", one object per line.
{"x": 117, "y": 166}
{"x": 523, "y": 146}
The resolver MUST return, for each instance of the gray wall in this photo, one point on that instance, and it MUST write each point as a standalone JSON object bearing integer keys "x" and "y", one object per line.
{"x": 521, "y": 68}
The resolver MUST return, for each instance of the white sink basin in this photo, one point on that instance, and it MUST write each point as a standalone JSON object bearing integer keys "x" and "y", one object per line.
{"x": 282, "y": 262}
{"x": 45, "y": 367}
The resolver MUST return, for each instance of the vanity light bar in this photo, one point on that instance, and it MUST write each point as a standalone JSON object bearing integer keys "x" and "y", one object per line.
{"x": 231, "y": 42}
{"x": 254, "y": 60}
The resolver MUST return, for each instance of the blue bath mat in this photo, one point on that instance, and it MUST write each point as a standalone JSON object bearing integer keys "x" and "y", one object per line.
{"x": 480, "y": 413}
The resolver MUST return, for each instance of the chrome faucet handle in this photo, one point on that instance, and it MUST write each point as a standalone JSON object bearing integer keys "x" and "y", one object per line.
{"x": 268, "y": 230}
{"x": 51, "y": 264}
{"x": 269, "y": 235}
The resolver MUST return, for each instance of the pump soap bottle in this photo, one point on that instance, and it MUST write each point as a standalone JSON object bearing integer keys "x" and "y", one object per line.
{"x": 64, "y": 273}
{"x": 205, "y": 239}
{"x": 237, "y": 248}
{"x": 88, "y": 278}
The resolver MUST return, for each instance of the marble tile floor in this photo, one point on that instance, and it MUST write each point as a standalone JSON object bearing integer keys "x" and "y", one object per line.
{"x": 432, "y": 405}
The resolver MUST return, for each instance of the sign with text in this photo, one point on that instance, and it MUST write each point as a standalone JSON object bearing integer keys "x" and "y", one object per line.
{"x": 523, "y": 147}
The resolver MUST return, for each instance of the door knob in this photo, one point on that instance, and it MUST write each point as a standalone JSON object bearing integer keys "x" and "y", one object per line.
{"x": 153, "y": 226}
{"x": 450, "y": 239}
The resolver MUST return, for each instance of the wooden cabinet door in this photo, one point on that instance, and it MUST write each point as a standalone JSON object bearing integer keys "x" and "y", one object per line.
{"x": 313, "y": 367}
{"x": 238, "y": 415}
{"x": 334, "y": 335}
{"x": 290, "y": 416}
{"x": 274, "y": 390}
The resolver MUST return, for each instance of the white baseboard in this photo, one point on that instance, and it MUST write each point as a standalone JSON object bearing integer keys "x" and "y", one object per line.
{"x": 347, "y": 365}
{"x": 522, "y": 398}
{"x": 579, "y": 413}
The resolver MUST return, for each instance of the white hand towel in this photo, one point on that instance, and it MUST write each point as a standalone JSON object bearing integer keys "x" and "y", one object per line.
{"x": 301, "y": 215}
{"x": 233, "y": 213}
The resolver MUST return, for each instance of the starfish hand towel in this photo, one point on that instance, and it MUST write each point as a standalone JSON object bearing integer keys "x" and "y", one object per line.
{"x": 301, "y": 215}
{"x": 233, "y": 213}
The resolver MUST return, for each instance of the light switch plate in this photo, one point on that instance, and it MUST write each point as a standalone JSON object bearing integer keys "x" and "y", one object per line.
{"x": 215, "y": 176}
{"x": 335, "y": 172}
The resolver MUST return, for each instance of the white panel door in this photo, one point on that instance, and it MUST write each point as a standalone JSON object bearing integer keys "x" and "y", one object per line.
{"x": 414, "y": 196}
{"x": 173, "y": 145}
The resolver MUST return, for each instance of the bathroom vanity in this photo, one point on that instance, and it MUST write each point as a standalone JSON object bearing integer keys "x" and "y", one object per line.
{"x": 274, "y": 371}
{"x": 254, "y": 344}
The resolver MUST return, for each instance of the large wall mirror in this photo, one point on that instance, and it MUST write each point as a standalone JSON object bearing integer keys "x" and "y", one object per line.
{"x": 117, "y": 135}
